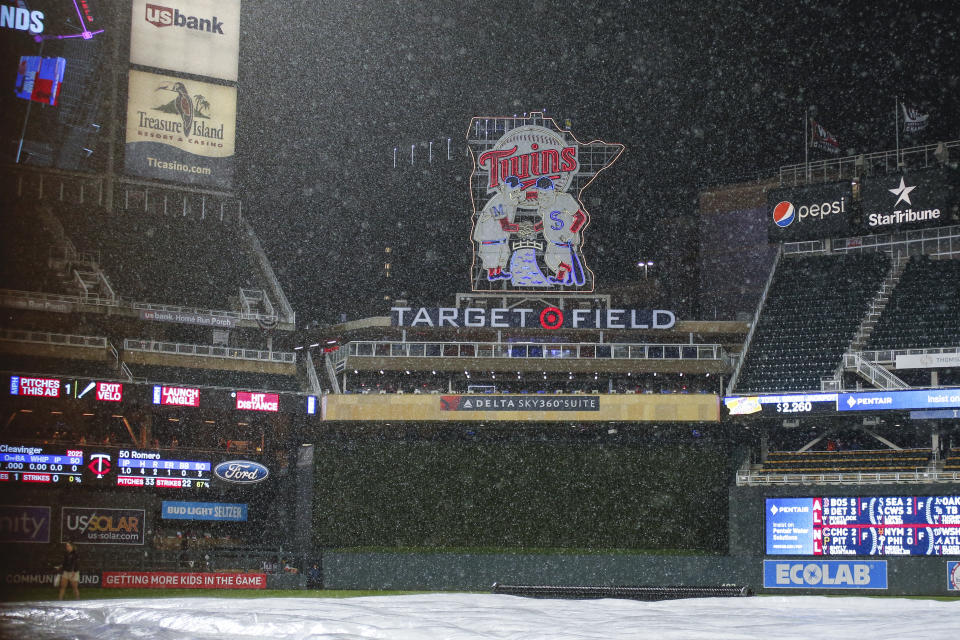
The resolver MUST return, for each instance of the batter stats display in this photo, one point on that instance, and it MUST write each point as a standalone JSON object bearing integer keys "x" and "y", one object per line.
{"x": 863, "y": 526}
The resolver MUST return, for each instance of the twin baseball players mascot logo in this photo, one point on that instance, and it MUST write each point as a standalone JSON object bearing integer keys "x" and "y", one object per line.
{"x": 528, "y": 227}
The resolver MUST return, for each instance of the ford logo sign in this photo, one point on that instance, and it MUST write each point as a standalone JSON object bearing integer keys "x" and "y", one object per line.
{"x": 241, "y": 471}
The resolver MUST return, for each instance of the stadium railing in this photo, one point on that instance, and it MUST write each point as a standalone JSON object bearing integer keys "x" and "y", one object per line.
{"x": 219, "y": 313}
{"x": 850, "y": 166}
{"x": 64, "y": 303}
{"x": 59, "y": 339}
{"x": 756, "y": 478}
{"x": 37, "y": 301}
{"x": 212, "y": 351}
{"x": 934, "y": 241}
{"x": 847, "y": 460}
{"x": 545, "y": 350}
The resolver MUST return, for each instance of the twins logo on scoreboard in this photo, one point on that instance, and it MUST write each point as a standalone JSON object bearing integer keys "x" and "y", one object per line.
{"x": 528, "y": 231}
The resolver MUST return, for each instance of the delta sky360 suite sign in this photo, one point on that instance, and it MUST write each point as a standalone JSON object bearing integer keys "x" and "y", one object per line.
{"x": 529, "y": 222}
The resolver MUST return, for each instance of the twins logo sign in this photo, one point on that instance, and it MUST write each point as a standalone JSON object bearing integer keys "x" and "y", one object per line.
{"x": 529, "y": 222}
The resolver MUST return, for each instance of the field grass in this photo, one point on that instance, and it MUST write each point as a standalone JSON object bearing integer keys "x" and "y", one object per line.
{"x": 34, "y": 594}
{"x": 529, "y": 551}
{"x": 29, "y": 594}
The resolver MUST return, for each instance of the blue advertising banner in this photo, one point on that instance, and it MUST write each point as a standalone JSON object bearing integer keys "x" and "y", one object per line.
{"x": 789, "y": 526}
{"x": 934, "y": 414}
{"x": 24, "y": 523}
{"x": 824, "y": 574}
{"x": 204, "y": 511}
{"x": 886, "y": 400}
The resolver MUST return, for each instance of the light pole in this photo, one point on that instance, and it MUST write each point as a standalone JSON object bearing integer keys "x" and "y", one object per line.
{"x": 646, "y": 264}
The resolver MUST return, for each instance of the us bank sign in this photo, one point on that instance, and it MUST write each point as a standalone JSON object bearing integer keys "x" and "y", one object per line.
{"x": 529, "y": 221}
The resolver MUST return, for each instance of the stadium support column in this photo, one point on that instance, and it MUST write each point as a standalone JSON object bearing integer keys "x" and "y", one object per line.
{"x": 113, "y": 129}
{"x": 303, "y": 506}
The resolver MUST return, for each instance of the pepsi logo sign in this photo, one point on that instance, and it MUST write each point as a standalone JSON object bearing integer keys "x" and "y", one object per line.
{"x": 241, "y": 471}
{"x": 784, "y": 213}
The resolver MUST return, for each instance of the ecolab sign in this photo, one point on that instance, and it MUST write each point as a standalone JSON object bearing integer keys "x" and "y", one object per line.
{"x": 248, "y": 401}
{"x": 827, "y": 574}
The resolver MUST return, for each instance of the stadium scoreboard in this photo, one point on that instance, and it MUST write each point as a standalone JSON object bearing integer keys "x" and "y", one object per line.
{"x": 32, "y": 465}
{"x": 863, "y": 526}
{"x": 73, "y": 465}
{"x": 799, "y": 404}
{"x": 148, "y": 469}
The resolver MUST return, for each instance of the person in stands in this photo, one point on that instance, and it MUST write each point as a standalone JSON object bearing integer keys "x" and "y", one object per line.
{"x": 71, "y": 570}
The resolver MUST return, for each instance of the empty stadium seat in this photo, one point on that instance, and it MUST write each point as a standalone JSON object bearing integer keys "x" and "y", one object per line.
{"x": 924, "y": 309}
{"x": 883, "y": 460}
{"x": 812, "y": 311}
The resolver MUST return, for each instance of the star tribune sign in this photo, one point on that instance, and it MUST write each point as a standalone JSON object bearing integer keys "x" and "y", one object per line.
{"x": 528, "y": 220}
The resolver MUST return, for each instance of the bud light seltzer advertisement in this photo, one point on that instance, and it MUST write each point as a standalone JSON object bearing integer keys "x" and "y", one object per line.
{"x": 809, "y": 213}
{"x": 180, "y": 130}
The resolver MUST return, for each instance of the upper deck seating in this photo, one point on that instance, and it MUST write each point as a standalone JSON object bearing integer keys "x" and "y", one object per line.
{"x": 924, "y": 308}
{"x": 166, "y": 259}
{"x": 812, "y": 310}
{"x": 846, "y": 461}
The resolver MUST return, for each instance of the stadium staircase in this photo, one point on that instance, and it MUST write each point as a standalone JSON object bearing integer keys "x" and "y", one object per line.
{"x": 331, "y": 372}
{"x": 313, "y": 380}
{"x": 753, "y": 325}
{"x": 80, "y": 272}
{"x": 810, "y": 316}
{"x": 260, "y": 260}
{"x": 879, "y": 303}
{"x": 853, "y": 361}
{"x": 924, "y": 310}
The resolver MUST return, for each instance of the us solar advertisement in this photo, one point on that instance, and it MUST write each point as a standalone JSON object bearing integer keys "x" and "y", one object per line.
{"x": 809, "y": 213}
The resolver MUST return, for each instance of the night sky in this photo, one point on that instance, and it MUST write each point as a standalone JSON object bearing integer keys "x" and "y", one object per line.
{"x": 699, "y": 92}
